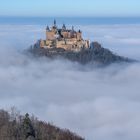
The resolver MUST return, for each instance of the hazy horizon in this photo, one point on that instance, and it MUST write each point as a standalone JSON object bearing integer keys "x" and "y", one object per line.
{"x": 70, "y": 8}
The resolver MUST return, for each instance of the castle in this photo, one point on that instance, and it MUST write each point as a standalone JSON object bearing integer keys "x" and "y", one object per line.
{"x": 64, "y": 38}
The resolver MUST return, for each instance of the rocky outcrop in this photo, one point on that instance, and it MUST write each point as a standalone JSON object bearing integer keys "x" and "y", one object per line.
{"x": 95, "y": 54}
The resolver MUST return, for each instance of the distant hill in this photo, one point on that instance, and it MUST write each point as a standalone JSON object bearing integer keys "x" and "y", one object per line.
{"x": 14, "y": 126}
{"x": 95, "y": 54}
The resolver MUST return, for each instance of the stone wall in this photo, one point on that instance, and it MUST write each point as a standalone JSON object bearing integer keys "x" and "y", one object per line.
{"x": 50, "y": 35}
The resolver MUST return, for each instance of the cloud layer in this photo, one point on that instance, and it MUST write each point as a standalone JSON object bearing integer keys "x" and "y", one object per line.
{"x": 96, "y": 103}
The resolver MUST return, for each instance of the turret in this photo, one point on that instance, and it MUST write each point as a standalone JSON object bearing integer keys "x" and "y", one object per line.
{"x": 79, "y": 31}
{"x": 54, "y": 23}
{"x": 79, "y": 35}
{"x": 54, "y": 27}
{"x": 73, "y": 28}
{"x": 47, "y": 28}
{"x": 72, "y": 33}
{"x": 63, "y": 27}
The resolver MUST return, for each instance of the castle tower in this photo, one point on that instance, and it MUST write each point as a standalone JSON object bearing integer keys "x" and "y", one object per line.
{"x": 54, "y": 23}
{"x": 79, "y": 35}
{"x": 71, "y": 33}
{"x": 51, "y": 33}
{"x": 54, "y": 27}
{"x": 64, "y": 27}
{"x": 73, "y": 28}
{"x": 47, "y": 28}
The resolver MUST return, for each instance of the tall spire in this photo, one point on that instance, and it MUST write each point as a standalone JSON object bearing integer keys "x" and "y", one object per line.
{"x": 72, "y": 28}
{"x": 64, "y": 27}
{"x": 54, "y": 22}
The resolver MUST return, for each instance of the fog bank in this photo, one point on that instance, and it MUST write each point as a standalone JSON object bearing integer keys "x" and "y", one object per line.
{"x": 96, "y": 103}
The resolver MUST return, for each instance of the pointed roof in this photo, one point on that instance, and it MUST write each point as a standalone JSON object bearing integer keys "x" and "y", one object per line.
{"x": 47, "y": 28}
{"x": 64, "y": 27}
{"x": 54, "y": 22}
{"x": 79, "y": 31}
{"x": 72, "y": 28}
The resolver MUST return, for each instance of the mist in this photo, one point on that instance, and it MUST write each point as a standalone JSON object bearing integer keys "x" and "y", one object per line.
{"x": 96, "y": 103}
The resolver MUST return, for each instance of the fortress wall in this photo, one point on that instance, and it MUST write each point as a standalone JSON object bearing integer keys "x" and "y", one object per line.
{"x": 87, "y": 44}
{"x": 42, "y": 43}
{"x": 65, "y": 34}
{"x": 66, "y": 47}
{"x": 48, "y": 42}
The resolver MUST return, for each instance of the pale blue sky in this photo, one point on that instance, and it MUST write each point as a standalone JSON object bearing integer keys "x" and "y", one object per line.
{"x": 70, "y": 8}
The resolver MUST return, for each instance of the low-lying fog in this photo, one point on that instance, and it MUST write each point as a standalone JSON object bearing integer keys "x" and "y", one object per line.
{"x": 95, "y": 103}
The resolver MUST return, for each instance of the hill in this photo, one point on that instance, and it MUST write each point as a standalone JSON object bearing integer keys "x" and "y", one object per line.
{"x": 95, "y": 54}
{"x": 14, "y": 126}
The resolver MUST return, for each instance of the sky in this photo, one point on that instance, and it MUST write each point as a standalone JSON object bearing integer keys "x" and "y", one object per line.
{"x": 66, "y": 8}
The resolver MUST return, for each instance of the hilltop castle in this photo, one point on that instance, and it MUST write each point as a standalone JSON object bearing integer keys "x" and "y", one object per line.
{"x": 64, "y": 38}
{"x": 69, "y": 44}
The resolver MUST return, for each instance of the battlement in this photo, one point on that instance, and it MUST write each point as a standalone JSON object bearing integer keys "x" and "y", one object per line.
{"x": 68, "y": 39}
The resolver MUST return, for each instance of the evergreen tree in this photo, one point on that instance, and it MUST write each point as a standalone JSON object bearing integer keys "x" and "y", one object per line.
{"x": 28, "y": 128}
